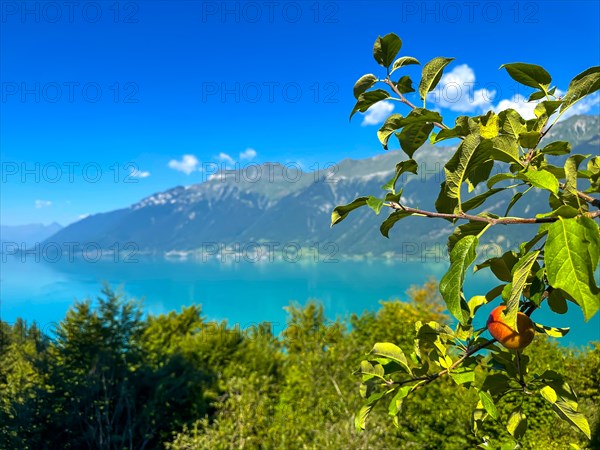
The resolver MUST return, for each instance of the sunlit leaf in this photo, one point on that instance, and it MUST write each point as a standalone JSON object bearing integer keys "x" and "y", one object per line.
{"x": 386, "y": 48}
{"x": 571, "y": 256}
{"x": 341, "y": 212}
{"x": 461, "y": 257}
{"x": 432, "y": 73}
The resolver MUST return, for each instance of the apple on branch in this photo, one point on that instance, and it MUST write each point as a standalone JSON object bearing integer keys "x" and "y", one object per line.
{"x": 510, "y": 338}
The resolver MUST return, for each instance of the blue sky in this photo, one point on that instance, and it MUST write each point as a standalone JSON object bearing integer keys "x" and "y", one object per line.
{"x": 104, "y": 103}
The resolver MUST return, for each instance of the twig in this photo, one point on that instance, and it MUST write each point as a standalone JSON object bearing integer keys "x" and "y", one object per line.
{"x": 490, "y": 220}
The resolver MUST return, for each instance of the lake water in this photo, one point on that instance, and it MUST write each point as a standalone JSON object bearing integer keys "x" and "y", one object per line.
{"x": 244, "y": 293}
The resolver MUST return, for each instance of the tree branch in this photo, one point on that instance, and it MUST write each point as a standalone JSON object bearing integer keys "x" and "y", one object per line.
{"x": 490, "y": 220}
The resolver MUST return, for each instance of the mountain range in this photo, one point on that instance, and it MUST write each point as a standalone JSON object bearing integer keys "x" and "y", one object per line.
{"x": 275, "y": 204}
{"x": 28, "y": 235}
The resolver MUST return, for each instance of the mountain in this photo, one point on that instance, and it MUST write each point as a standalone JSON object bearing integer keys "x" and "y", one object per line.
{"x": 27, "y": 235}
{"x": 272, "y": 204}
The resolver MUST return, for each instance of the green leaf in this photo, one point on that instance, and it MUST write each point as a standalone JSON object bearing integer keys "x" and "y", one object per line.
{"x": 361, "y": 417}
{"x": 497, "y": 384}
{"x": 565, "y": 211}
{"x": 412, "y": 137}
{"x": 365, "y": 410}
{"x": 388, "y": 223}
{"x": 432, "y": 73}
{"x": 340, "y": 212}
{"x": 520, "y": 274}
{"x": 545, "y": 109}
{"x": 363, "y": 84}
{"x": 421, "y": 115}
{"x": 495, "y": 292}
{"x": 587, "y": 82}
{"x": 570, "y": 415}
{"x": 375, "y": 204}
{"x": 481, "y": 169}
{"x": 557, "y": 301}
{"x": 391, "y": 351}
{"x": 478, "y": 200}
{"x": 530, "y": 75}
{"x": 462, "y": 375}
{"x": 542, "y": 179}
{"x": 551, "y": 331}
{"x": 517, "y": 424}
{"x": 404, "y": 85}
{"x": 527, "y": 246}
{"x": 593, "y": 167}
{"x": 488, "y": 404}
{"x": 529, "y": 139}
{"x": 409, "y": 165}
{"x": 501, "y": 266}
{"x": 570, "y": 191}
{"x": 479, "y": 415}
{"x": 391, "y": 197}
{"x": 368, "y": 99}
{"x": 461, "y": 128}
{"x": 476, "y": 302}
{"x": 489, "y": 126}
{"x": 571, "y": 256}
{"x": 511, "y": 122}
{"x": 445, "y": 203}
{"x": 505, "y": 148}
{"x": 461, "y": 257}
{"x": 417, "y": 116}
{"x": 368, "y": 371}
{"x": 396, "y": 402}
{"x": 557, "y": 148}
{"x": 500, "y": 177}
{"x": 549, "y": 394}
{"x": 391, "y": 124}
{"x": 386, "y": 48}
{"x": 513, "y": 202}
{"x": 536, "y": 96}
{"x": 469, "y": 156}
{"x": 403, "y": 61}
{"x": 471, "y": 228}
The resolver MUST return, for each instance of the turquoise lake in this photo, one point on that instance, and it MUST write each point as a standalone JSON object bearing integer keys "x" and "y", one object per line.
{"x": 244, "y": 293}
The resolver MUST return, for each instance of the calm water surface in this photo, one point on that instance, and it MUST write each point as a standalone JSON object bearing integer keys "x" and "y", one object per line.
{"x": 244, "y": 293}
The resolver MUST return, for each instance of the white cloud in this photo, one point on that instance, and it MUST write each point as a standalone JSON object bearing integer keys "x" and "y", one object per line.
{"x": 187, "y": 165}
{"x": 248, "y": 154}
{"x": 83, "y": 216}
{"x": 225, "y": 158}
{"x": 43, "y": 203}
{"x": 377, "y": 113}
{"x": 519, "y": 104}
{"x": 456, "y": 91}
{"x": 136, "y": 173}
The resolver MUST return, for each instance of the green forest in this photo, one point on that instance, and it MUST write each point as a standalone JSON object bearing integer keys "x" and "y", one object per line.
{"x": 111, "y": 376}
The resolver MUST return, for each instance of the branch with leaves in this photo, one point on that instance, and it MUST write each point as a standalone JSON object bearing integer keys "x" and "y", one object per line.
{"x": 555, "y": 266}
{"x": 490, "y": 220}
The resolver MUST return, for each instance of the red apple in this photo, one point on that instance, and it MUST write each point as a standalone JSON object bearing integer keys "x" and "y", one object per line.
{"x": 507, "y": 336}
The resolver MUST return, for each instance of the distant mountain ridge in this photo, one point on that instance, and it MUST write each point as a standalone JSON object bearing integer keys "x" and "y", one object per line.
{"x": 272, "y": 208}
{"x": 28, "y": 235}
